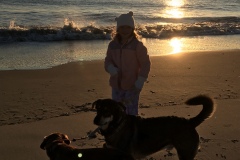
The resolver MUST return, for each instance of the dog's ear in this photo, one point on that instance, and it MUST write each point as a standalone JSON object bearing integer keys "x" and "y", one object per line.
{"x": 123, "y": 107}
{"x": 96, "y": 103}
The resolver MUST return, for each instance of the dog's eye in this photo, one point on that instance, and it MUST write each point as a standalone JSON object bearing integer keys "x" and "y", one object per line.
{"x": 107, "y": 114}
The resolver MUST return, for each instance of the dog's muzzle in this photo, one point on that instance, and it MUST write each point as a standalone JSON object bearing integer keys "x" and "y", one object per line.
{"x": 103, "y": 122}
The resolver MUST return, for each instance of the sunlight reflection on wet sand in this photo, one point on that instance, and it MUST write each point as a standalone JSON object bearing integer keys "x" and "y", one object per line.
{"x": 157, "y": 47}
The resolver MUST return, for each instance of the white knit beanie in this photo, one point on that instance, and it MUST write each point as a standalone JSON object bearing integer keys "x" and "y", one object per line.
{"x": 125, "y": 19}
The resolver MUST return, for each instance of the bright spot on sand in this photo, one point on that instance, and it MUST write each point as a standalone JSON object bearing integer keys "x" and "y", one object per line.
{"x": 176, "y": 45}
{"x": 80, "y": 155}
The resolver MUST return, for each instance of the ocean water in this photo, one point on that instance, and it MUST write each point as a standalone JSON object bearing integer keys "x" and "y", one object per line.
{"x": 41, "y": 33}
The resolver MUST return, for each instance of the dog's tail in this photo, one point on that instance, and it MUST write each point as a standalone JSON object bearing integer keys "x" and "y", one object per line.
{"x": 206, "y": 112}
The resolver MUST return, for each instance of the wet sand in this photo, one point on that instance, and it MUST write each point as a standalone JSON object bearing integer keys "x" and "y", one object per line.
{"x": 35, "y": 103}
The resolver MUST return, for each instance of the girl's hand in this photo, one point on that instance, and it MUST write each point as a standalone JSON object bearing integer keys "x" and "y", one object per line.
{"x": 112, "y": 70}
{"x": 140, "y": 82}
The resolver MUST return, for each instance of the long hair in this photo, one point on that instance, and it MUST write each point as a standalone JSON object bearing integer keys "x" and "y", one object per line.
{"x": 116, "y": 35}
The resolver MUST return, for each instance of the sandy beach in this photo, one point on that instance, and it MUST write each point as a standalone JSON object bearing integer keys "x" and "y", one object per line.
{"x": 35, "y": 103}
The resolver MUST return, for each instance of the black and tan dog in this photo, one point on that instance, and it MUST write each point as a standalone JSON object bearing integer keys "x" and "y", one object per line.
{"x": 143, "y": 136}
{"x": 58, "y": 148}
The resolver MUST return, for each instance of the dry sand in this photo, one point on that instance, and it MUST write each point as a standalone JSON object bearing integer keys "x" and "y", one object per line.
{"x": 35, "y": 103}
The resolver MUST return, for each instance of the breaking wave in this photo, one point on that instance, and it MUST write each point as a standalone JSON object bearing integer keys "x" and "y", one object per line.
{"x": 211, "y": 26}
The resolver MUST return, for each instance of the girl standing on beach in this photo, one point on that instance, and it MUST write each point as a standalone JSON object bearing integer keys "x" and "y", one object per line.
{"x": 128, "y": 64}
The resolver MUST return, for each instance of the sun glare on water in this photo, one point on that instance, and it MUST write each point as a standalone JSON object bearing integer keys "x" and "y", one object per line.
{"x": 175, "y": 13}
{"x": 175, "y": 3}
{"x": 173, "y": 9}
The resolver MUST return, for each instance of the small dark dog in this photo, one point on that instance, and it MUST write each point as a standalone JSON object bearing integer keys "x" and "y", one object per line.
{"x": 141, "y": 137}
{"x": 58, "y": 148}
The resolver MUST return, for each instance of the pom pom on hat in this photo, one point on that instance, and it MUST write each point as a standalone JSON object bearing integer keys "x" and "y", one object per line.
{"x": 125, "y": 19}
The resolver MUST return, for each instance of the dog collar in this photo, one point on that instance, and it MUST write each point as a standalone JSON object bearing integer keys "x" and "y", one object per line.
{"x": 118, "y": 129}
